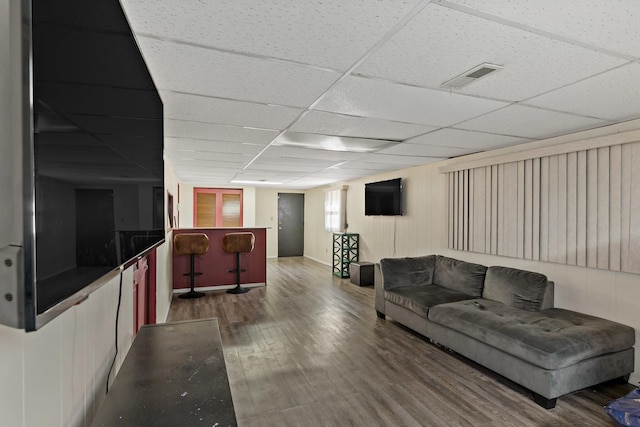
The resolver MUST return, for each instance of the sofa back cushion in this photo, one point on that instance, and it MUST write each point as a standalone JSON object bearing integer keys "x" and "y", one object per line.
{"x": 515, "y": 288}
{"x": 400, "y": 272}
{"x": 459, "y": 275}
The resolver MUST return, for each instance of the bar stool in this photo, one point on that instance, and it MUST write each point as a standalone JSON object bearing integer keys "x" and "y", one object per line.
{"x": 191, "y": 244}
{"x": 238, "y": 243}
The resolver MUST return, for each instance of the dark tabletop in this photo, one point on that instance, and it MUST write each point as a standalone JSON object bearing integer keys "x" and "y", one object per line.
{"x": 173, "y": 375}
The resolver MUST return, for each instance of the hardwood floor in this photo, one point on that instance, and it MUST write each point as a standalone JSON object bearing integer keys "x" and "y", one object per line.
{"x": 308, "y": 350}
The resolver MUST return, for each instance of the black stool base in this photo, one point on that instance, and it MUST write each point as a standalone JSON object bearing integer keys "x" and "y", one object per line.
{"x": 191, "y": 294}
{"x": 238, "y": 290}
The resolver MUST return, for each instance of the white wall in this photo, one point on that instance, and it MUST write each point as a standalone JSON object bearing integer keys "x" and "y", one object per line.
{"x": 423, "y": 230}
{"x": 164, "y": 253}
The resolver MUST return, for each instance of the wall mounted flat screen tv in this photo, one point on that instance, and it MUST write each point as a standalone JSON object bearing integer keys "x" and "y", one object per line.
{"x": 383, "y": 197}
{"x": 95, "y": 192}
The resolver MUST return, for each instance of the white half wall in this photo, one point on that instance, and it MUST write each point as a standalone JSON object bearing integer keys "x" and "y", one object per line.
{"x": 57, "y": 376}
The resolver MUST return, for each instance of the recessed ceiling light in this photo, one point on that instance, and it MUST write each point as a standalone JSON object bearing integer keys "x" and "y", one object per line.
{"x": 332, "y": 142}
{"x": 472, "y": 75}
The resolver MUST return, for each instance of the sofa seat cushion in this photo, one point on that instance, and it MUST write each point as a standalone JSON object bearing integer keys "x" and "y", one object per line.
{"x": 420, "y": 298}
{"x": 551, "y": 339}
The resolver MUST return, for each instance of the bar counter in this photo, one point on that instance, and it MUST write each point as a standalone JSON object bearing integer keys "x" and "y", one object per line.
{"x": 216, "y": 264}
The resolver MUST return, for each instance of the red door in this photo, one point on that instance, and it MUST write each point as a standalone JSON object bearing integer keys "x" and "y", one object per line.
{"x": 140, "y": 309}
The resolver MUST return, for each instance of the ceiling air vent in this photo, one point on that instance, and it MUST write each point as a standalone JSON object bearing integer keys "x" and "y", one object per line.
{"x": 472, "y": 75}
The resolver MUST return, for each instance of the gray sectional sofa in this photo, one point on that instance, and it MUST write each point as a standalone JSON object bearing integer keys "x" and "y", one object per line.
{"x": 504, "y": 319}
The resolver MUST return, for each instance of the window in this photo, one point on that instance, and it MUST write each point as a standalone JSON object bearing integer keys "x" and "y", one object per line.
{"x": 217, "y": 207}
{"x": 335, "y": 218}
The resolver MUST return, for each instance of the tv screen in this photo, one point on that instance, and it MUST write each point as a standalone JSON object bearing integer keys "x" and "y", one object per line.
{"x": 383, "y": 197}
{"x": 96, "y": 147}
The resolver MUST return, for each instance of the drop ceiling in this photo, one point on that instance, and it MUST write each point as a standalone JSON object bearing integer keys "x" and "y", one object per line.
{"x": 299, "y": 94}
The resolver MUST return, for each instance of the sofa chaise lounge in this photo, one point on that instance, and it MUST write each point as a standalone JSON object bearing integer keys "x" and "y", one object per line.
{"x": 503, "y": 318}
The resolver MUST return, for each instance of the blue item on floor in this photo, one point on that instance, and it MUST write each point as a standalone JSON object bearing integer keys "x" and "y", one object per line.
{"x": 626, "y": 410}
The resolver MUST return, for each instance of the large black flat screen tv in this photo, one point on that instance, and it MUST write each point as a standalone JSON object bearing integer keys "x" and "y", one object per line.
{"x": 383, "y": 197}
{"x": 94, "y": 192}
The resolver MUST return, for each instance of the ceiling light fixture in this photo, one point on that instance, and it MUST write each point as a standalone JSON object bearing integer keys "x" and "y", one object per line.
{"x": 472, "y": 75}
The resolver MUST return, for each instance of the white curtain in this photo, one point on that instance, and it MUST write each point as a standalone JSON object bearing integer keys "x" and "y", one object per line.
{"x": 334, "y": 210}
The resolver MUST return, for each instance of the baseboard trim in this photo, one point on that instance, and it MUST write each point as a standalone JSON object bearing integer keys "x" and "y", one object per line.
{"x": 317, "y": 260}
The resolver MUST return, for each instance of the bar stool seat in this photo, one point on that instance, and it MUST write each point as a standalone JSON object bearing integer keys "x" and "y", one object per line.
{"x": 191, "y": 244}
{"x": 238, "y": 243}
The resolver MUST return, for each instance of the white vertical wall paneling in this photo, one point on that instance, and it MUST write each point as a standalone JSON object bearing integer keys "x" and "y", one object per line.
{"x": 478, "y": 219}
{"x": 510, "y": 209}
{"x": 465, "y": 210}
{"x": 500, "y": 194}
{"x": 470, "y": 218}
{"x": 528, "y": 209}
{"x": 452, "y": 212}
{"x": 615, "y": 174}
{"x": 544, "y": 209}
{"x": 572, "y": 204}
{"x": 535, "y": 242}
{"x": 625, "y": 207}
{"x": 603, "y": 208}
{"x": 520, "y": 217}
{"x": 581, "y": 210}
{"x": 494, "y": 209}
{"x": 461, "y": 195}
{"x": 592, "y": 208}
{"x": 634, "y": 221}
{"x": 561, "y": 238}
{"x": 487, "y": 209}
{"x": 578, "y": 208}
{"x": 506, "y": 210}
{"x": 552, "y": 221}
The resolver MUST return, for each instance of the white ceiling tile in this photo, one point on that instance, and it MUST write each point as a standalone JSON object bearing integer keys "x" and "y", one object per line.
{"x": 191, "y": 69}
{"x": 419, "y": 54}
{"x": 310, "y": 182}
{"x": 423, "y": 150}
{"x": 193, "y": 164}
{"x": 269, "y": 163}
{"x": 466, "y": 139}
{"x": 330, "y": 33}
{"x": 529, "y": 122}
{"x": 207, "y": 155}
{"x": 184, "y": 144}
{"x": 216, "y": 132}
{"x": 611, "y": 25}
{"x": 362, "y": 127}
{"x": 284, "y": 152}
{"x": 394, "y": 160}
{"x": 609, "y": 96}
{"x": 373, "y": 98}
{"x": 222, "y": 111}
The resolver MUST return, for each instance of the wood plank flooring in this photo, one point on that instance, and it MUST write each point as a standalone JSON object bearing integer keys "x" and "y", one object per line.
{"x": 308, "y": 350}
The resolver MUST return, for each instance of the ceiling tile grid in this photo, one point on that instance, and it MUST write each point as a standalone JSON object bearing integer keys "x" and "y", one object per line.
{"x": 312, "y": 92}
{"x": 329, "y": 33}
{"x": 381, "y": 99}
{"x": 192, "y": 69}
{"x": 419, "y": 54}
{"x": 610, "y": 25}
